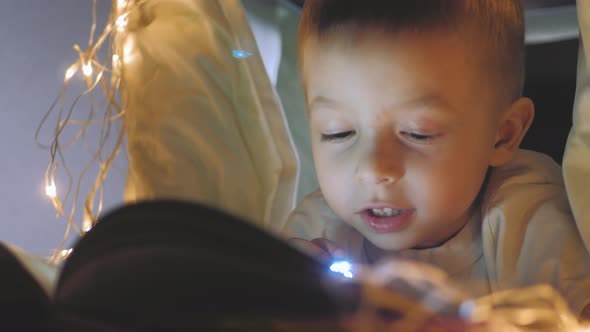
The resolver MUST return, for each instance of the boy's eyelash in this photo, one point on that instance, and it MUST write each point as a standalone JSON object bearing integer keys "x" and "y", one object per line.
{"x": 337, "y": 136}
{"x": 346, "y": 134}
{"x": 419, "y": 137}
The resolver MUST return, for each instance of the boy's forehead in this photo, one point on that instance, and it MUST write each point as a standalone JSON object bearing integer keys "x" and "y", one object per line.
{"x": 489, "y": 54}
{"x": 411, "y": 72}
{"x": 427, "y": 105}
{"x": 373, "y": 50}
{"x": 349, "y": 38}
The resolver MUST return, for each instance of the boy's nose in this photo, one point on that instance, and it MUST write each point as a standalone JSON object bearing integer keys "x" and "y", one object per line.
{"x": 376, "y": 178}
{"x": 382, "y": 166}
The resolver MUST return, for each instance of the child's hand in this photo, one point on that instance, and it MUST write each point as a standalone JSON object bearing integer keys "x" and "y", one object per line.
{"x": 322, "y": 249}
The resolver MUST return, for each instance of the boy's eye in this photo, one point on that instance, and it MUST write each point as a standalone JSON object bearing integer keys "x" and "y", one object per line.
{"x": 419, "y": 137}
{"x": 337, "y": 136}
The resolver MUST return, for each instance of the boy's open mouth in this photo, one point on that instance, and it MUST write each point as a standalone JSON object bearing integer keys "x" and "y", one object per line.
{"x": 387, "y": 220}
{"x": 386, "y": 212}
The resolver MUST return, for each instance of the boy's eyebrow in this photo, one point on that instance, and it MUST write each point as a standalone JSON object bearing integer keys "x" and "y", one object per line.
{"x": 424, "y": 102}
{"x": 428, "y": 101}
{"x": 323, "y": 101}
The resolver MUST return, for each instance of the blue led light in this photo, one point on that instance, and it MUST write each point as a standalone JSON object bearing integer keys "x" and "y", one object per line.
{"x": 342, "y": 267}
{"x": 240, "y": 54}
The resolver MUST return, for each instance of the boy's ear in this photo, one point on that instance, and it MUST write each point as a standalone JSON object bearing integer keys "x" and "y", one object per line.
{"x": 514, "y": 124}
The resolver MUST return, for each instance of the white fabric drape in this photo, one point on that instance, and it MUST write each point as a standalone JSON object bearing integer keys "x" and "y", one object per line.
{"x": 576, "y": 161}
{"x": 203, "y": 123}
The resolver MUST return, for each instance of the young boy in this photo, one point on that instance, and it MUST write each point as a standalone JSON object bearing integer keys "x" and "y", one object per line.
{"x": 416, "y": 116}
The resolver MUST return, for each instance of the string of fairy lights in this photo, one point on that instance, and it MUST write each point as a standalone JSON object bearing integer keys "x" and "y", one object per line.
{"x": 100, "y": 77}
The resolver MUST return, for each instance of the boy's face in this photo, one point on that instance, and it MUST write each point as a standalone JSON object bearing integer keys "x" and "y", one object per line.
{"x": 403, "y": 132}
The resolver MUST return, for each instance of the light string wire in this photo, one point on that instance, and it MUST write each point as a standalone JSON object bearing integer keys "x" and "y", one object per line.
{"x": 106, "y": 77}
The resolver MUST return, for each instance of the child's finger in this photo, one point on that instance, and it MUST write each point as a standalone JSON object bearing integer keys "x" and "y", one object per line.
{"x": 310, "y": 248}
{"x": 330, "y": 247}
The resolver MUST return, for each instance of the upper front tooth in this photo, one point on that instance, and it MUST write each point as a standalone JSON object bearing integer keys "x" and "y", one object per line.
{"x": 377, "y": 212}
{"x": 385, "y": 212}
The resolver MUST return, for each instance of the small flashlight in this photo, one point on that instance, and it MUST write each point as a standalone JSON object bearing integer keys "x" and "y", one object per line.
{"x": 342, "y": 267}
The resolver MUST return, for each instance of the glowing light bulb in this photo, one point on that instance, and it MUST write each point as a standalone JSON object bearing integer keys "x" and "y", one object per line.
{"x": 121, "y": 4}
{"x": 116, "y": 64}
{"x": 70, "y": 73}
{"x": 128, "y": 49}
{"x": 342, "y": 267}
{"x": 121, "y": 23}
{"x": 87, "y": 69}
{"x": 51, "y": 190}
{"x": 86, "y": 224}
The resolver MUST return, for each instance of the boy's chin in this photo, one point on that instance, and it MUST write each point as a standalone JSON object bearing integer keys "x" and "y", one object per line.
{"x": 390, "y": 242}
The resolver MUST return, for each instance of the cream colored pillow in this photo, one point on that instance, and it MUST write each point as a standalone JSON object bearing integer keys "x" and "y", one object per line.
{"x": 202, "y": 119}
